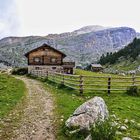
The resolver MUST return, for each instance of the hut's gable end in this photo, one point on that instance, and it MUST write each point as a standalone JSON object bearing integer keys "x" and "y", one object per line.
{"x": 45, "y": 56}
{"x": 96, "y": 67}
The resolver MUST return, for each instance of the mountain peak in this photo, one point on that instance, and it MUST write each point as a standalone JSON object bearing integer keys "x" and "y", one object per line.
{"x": 90, "y": 28}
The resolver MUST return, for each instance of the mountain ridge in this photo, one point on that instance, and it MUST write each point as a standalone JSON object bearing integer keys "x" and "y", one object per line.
{"x": 84, "y": 46}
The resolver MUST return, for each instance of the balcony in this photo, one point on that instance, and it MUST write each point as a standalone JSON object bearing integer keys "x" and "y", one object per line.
{"x": 68, "y": 64}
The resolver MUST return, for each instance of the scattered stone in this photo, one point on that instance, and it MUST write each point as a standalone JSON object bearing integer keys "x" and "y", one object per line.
{"x": 74, "y": 131}
{"x": 61, "y": 120}
{"x": 126, "y": 121}
{"x": 126, "y": 138}
{"x": 113, "y": 116}
{"x": 117, "y": 119}
{"x": 62, "y": 116}
{"x": 8, "y": 120}
{"x": 88, "y": 113}
{"x": 118, "y": 133}
{"x": 132, "y": 121}
{"x": 123, "y": 128}
{"x": 138, "y": 125}
{"x": 114, "y": 123}
{"x": 89, "y": 137}
{"x": 33, "y": 132}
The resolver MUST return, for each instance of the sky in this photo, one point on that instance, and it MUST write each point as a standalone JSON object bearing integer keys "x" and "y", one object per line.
{"x": 42, "y": 17}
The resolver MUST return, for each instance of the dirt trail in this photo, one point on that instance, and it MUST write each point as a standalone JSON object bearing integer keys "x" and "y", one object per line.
{"x": 38, "y": 119}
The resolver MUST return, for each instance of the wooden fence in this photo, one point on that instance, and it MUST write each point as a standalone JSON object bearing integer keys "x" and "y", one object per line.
{"x": 91, "y": 83}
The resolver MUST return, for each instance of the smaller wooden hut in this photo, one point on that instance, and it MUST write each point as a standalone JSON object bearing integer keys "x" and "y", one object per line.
{"x": 96, "y": 68}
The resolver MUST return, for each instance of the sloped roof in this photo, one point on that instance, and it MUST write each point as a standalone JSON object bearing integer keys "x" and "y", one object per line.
{"x": 96, "y": 65}
{"x": 42, "y": 46}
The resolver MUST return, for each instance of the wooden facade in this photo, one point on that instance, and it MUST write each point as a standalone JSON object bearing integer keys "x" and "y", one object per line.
{"x": 46, "y": 57}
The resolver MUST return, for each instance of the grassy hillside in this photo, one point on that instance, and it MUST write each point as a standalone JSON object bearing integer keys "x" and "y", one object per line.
{"x": 126, "y": 65}
{"x": 119, "y": 103}
{"x": 11, "y": 92}
{"x": 125, "y": 59}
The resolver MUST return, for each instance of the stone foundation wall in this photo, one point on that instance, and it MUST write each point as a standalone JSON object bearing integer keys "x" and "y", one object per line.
{"x": 42, "y": 70}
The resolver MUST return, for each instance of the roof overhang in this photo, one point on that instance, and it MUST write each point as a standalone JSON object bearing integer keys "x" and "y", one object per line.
{"x": 45, "y": 45}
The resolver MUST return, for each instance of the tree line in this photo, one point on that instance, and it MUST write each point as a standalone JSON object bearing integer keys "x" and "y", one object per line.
{"x": 132, "y": 50}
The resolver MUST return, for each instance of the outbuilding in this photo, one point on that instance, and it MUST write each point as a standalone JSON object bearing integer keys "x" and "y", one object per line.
{"x": 96, "y": 67}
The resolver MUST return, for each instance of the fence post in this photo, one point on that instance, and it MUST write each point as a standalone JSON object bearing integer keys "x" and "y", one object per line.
{"x": 63, "y": 79}
{"x": 53, "y": 77}
{"x": 47, "y": 74}
{"x": 109, "y": 85}
{"x": 133, "y": 79}
{"x": 81, "y": 84}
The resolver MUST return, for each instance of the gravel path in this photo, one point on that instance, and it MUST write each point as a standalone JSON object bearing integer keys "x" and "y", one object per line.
{"x": 37, "y": 122}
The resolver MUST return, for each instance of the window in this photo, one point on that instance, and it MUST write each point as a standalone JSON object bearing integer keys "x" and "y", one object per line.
{"x": 53, "y": 60}
{"x": 53, "y": 68}
{"x": 45, "y": 51}
{"x": 37, "y": 68}
{"x": 37, "y": 59}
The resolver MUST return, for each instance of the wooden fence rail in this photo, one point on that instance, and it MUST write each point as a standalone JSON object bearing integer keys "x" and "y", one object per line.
{"x": 91, "y": 83}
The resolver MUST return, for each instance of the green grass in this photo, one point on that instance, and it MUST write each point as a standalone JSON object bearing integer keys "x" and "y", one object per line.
{"x": 11, "y": 92}
{"x": 126, "y": 65}
{"x": 119, "y": 103}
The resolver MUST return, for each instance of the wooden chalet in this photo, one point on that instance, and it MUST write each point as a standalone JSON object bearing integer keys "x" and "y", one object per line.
{"x": 96, "y": 68}
{"x": 46, "y": 58}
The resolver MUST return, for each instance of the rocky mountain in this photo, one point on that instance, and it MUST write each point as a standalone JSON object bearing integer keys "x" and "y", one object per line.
{"x": 88, "y": 29}
{"x": 83, "y": 46}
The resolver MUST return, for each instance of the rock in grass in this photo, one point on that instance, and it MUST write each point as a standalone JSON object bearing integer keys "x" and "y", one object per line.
{"x": 89, "y": 137}
{"x": 126, "y": 121}
{"x": 138, "y": 125}
{"x": 126, "y": 138}
{"x": 113, "y": 116}
{"x": 132, "y": 121}
{"x": 114, "y": 123}
{"x": 118, "y": 133}
{"x": 123, "y": 128}
{"x": 88, "y": 113}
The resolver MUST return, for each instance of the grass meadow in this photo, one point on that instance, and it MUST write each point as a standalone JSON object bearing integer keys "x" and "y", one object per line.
{"x": 118, "y": 102}
{"x": 11, "y": 92}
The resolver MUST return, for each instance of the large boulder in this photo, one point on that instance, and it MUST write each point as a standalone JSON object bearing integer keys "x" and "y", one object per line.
{"x": 88, "y": 113}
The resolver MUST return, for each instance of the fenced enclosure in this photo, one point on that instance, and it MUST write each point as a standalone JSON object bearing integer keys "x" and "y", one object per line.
{"x": 91, "y": 83}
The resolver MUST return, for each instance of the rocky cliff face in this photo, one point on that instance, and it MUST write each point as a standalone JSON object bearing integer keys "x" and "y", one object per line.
{"x": 83, "y": 46}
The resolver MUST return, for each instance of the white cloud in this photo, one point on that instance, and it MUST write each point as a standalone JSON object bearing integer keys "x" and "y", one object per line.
{"x": 2, "y": 26}
{"x": 9, "y": 24}
{"x": 40, "y": 17}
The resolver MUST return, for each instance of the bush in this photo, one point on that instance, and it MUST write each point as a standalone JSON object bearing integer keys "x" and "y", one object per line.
{"x": 98, "y": 131}
{"x": 20, "y": 71}
{"x": 133, "y": 91}
{"x": 103, "y": 131}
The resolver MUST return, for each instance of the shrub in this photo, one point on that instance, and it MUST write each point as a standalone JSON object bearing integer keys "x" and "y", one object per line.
{"x": 99, "y": 131}
{"x": 133, "y": 91}
{"x": 20, "y": 71}
{"x": 103, "y": 131}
